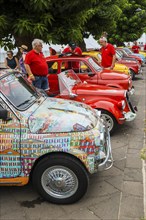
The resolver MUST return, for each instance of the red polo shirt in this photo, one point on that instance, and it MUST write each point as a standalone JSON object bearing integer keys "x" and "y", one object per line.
{"x": 77, "y": 51}
{"x": 107, "y": 55}
{"x": 37, "y": 63}
{"x": 135, "y": 49}
{"x": 67, "y": 50}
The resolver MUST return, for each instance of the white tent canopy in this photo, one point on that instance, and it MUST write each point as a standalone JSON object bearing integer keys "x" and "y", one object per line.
{"x": 90, "y": 42}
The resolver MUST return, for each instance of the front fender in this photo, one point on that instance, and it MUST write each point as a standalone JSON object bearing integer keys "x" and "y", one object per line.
{"x": 111, "y": 107}
{"x": 114, "y": 86}
{"x": 134, "y": 69}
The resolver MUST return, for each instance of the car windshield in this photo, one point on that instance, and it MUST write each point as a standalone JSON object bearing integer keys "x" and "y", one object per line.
{"x": 128, "y": 50}
{"x": 120, "y": 53}
{"x": 67, "y": 80}
{"x": 17, "y": 91}
{"x": 94, "y": 64}
{"x": 118, "y": 56}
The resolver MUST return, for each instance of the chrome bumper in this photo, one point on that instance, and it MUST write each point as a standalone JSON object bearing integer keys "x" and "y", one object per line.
{"x": 131, "y": 91}
{"x": 108, "y": 160}
{"x": 128, "y": 116}
{"x": 140, "y": 71}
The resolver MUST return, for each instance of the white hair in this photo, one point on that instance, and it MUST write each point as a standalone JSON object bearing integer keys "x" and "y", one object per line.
{"x": 103, "y": 39}
{"x": 36, "y": 42}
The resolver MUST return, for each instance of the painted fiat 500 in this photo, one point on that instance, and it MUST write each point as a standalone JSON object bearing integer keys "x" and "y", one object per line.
{"x": 56, "y": 142}
{"x": 114, "y": 104}
{"x": 88, "y": 69}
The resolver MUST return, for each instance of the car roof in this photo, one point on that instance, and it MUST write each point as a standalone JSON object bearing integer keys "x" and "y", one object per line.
{"x": 67, "y": 57}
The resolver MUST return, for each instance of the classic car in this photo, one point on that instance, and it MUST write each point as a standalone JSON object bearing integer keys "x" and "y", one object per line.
{"x": 55, "y": 142}
{"x": 87, "y": 69}
{"x": 118, "y": 67}
{"x": 139, "y": 57}
{"x": 114, "y": 104}
{"x": 134, "y": 66}
{"x": 130, "y": 53}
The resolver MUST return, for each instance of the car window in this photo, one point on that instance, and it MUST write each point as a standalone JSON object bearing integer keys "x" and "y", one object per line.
{"x": 74, "y": 65}
{"x": 17, "y": 91}
{"x": 53, "y": 67}
{"x": 94, "y": 64}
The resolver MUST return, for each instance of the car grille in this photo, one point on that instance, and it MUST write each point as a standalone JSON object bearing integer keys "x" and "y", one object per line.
{"x": 130, "y": 103}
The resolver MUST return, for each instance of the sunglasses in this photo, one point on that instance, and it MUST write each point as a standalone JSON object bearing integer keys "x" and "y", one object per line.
{"x": 8, "y": 53}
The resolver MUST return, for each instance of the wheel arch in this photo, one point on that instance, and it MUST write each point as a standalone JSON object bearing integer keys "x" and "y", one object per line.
{"x": 39, "y": 159}
{"x": 109, "y": 107}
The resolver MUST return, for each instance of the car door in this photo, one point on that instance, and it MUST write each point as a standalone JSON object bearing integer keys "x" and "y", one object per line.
{"x": 84, "y": 72}
{"x": 53, "y": 77}
{"x": 10, "y": 143}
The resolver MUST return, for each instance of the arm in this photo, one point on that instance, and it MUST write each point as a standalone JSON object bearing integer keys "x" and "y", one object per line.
{"x": 28, "y": 70}
{"x": 17, "y": 63}
{"x": 23, "y": 56}
{"x": 113, "y": 61}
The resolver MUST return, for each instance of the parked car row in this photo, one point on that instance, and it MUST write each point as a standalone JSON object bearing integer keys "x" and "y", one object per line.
{"x": 126, "y": 63}
{"x": 58, "y": 139}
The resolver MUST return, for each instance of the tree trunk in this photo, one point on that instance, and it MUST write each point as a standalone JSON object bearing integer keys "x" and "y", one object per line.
{"x": 82, "y": 45}
{"x": 25, "y": 40}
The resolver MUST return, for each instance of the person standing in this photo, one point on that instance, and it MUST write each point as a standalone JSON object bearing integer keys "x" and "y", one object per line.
{"x": 23, "y": 51}
{"x": 11, "y": 61}
{"x": 52, "y": 51}
{"x": 108, "y": 54}
{"x": 72, "y": 48}
{"x": 36, "y": 66}
{"x": 135, "y": 48}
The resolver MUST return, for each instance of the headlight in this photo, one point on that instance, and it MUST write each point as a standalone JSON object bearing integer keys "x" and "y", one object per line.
{"x": 122, "y": 104}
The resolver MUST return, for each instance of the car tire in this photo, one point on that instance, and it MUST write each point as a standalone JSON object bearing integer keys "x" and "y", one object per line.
{"x": 60, "y": 179}
{"x": 132, "y": 74}
{"x": 110, "y": 120}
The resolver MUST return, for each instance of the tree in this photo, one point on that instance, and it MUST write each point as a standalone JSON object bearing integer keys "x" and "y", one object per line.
{"x": 131, "y": 24}
{"x": 50, "y": 20}
{"x": 61, "y": 21}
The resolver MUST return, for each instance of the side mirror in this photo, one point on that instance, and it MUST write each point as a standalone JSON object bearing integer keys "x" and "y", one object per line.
{"x": 4, "y": 115}
{"x": 72, "y": 95}
{"x": 91, "y": 74}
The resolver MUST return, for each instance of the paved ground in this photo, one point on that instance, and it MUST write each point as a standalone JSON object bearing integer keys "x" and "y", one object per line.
{"x": 116, "y": 194}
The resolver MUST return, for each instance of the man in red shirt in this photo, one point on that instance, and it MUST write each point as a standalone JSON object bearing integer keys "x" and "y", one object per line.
{"x": 108, "y": 54}
{"x": 36, "y": 66}
{"x": 72, "y": 48}
{"x": 135, "y": 48}
{"x": 75, "y": 50}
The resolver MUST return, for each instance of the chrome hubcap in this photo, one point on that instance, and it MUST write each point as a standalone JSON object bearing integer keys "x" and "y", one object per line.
{"x": 59, "y": 182}
{"x": 108, "y": 120}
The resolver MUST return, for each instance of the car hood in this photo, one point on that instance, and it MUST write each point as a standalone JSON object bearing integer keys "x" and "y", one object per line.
{"x": 59, "y": 115}
{"x": 98, "y": 90}
{"x": 113, "y": 75}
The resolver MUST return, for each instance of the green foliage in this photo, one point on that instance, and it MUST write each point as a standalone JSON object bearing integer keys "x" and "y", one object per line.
{"x": 131, "y": 23}
{"x": 60, "y": 21}
{"x": 3, "y": 22}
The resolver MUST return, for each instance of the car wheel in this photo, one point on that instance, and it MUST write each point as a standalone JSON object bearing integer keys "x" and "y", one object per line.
{"x": 109, "y": 120}
{"x": 60, "y": 179}
{"x": 132, "y": 74}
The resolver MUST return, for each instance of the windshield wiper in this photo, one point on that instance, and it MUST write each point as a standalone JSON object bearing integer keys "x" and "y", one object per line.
{"x": 25, "y": 102}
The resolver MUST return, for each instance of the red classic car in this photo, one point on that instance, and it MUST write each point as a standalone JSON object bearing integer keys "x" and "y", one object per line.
{"x": 131, "y": 63}
{"x": 87, "y": 70}
{"x": 114, "y": 104}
